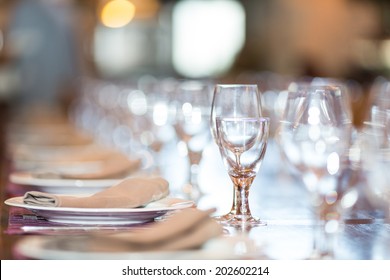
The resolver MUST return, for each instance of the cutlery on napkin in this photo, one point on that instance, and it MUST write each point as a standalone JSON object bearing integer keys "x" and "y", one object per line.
{"x": 129, "y": 193}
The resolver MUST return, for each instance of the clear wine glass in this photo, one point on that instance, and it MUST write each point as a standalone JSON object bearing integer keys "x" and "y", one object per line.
{"x": 376, "y": 147}
{"x": 193, "y": 101}
{"x": 376, "y": 163}
{"x": 241, "y": 134}
{"x": 314, "y": 136}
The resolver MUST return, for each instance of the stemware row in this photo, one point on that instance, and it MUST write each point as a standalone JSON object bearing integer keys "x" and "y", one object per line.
{"x": 314, "y": 133}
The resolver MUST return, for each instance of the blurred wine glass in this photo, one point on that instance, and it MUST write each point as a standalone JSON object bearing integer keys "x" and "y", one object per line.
{"x": 148, "y": 115}
{"x": 193, "y": 100}
{"x": 241, "y": 134}
{"x": 375, "y": 147}
{"x": 314, "y": 136}
{"x": 376, "y": 164}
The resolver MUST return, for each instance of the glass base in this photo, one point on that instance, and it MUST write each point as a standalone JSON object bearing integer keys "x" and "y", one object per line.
{"x": 239, "y": 220}
{"x": 224, "y": 218}
{"x": 317, "y": 255}
{"x": 192, "y": 192}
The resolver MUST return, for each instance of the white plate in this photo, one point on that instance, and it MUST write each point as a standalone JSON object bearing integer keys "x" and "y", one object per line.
{"x": 103, "y": 216}
{"x": 61, "y": 186}
{"x": 31, "y": 165}
{"x": 73, "y": 248}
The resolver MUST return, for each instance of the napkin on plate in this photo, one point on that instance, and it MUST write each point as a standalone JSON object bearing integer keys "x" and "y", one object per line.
{"x": 129, "y": 193}
{"x": 184, "y": 229}
{"x": 116, "y": 165}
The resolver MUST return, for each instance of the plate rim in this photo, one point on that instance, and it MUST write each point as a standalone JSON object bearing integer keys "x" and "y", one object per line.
{"x": 18, "y": 202}
{"x": 207, "y": 252}
{"x": 43, "y": 252}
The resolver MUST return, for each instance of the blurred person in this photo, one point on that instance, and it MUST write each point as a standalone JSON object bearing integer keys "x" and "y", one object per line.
{"x": 41, "y": 42}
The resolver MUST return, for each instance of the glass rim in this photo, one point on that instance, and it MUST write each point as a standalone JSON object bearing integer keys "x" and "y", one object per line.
{"x": 299, "y": 87}
{"x": 236, "y": 85}
{"x": 260, "y": 119}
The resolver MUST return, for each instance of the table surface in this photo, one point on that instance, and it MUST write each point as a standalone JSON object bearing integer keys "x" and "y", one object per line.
{"x": 276, "y": 197}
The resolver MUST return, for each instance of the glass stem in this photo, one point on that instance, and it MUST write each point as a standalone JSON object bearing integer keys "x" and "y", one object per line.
{"x": 236, "y": 198}
{"x": 194, "y": 159}
{"x": 324, "y": 235}
{"x": 193, "y": 176}
{"x": 192, "y": 187}
{"x": 323, "y": 241}
{"x": 238, "y": 159}
{"x": 242, "y": 205}
{"x": 329, "y": 241}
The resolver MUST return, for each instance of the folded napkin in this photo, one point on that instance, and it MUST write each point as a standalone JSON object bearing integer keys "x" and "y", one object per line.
{"x": 63, "y": 154}
{"x": 50, "y": 137}
{"x": 116, "y": 165}
{"x": 185, "y": 229}
{"x": 129, "y": 193}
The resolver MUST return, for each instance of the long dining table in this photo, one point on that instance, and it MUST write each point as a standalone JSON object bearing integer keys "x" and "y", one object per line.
{"x": 276, "y": 196}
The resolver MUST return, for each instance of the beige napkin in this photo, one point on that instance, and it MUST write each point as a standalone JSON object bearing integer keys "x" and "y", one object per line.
{"x": 51, "y": 137}
{"x": 129, "y": 193}
{"x": 116, "y": 165}
{"x": 64, "y": 154}
{"x": 185, "y": 229}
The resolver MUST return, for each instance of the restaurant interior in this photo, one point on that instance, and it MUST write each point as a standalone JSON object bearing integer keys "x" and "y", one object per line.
{"x": 126, "y": 129}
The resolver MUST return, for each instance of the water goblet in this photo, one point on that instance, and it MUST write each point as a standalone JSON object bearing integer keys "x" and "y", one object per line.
{"x": 243, "y": 143}
{"x": 192, "y": 127}
{"x": 241, "y": 134}
{"x": 375, "y": 150}
{"x": 314, "y": 136}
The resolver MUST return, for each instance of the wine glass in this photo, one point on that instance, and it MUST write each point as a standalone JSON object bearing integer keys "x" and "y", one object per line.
{"x": 193, "y": 101}
{"x": 376, "y": 163}
{"x": 379, "y": 117}
{"x": 376, "y": 147}
{"x": 241, "y": 134}
{"x": 314, "y": 136}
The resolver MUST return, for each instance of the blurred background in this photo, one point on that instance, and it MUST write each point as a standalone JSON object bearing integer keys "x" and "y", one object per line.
{"x": 114, "y": 69}
{"x": 47, "y": 46}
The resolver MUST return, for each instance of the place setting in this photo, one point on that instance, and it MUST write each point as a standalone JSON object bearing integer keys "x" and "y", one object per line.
{"x": 91, "y": 185}
{"x": 76, "y": 175}
{"x": 133, "y": 200}
{"x": 136, "y": 218}
{"x": 186, "y": 234}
